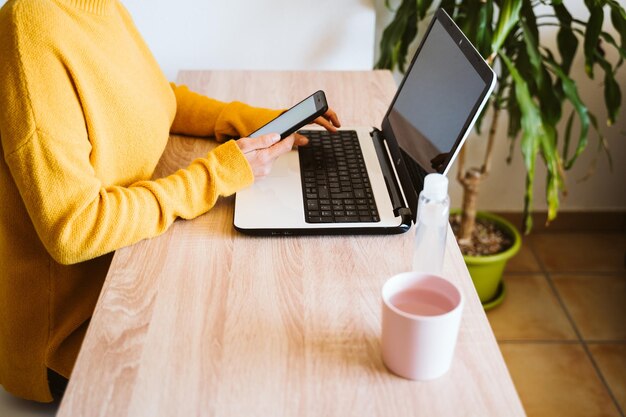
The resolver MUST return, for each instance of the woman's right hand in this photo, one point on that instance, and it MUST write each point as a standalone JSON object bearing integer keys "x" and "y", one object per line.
{"x": 262, "y": 151}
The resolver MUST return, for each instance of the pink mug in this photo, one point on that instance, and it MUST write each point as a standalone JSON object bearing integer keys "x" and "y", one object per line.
{"x": 421, "y": 319}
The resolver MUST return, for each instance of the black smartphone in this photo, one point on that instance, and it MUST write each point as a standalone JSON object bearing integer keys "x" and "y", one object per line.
{"x": 293, "y": 119}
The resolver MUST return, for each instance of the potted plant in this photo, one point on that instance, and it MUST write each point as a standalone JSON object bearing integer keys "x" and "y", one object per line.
{"x": 534, "y": 84}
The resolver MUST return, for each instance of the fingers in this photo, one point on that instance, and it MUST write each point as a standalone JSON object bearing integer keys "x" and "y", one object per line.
{"x": 261, "y": 142}
{"x": 280, "y": 148}
{"x": 332, "y": 117}
{"x": 262, "y": 151}
{"x": 300, "y": 140}
{"x": 264, "y": 158}
{"x": 329, "y": 121}
{"x": 325, "y": 124}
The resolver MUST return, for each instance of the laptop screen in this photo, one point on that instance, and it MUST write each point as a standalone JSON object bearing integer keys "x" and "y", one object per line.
{"x": 438, "y": 94}
{"x": 437, "y": 103}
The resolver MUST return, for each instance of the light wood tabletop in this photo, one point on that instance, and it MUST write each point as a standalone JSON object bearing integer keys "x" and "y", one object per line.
{"x": 205, "y": 321}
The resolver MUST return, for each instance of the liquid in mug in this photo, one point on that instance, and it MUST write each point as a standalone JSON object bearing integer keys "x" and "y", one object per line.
{"x": 422, "y": 302}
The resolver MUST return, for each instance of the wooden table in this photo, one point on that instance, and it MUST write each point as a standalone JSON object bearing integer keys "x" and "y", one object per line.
{"x": 204, "y": 321}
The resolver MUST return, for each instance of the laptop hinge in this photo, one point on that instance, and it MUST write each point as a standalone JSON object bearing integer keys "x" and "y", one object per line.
{"x": 391, "y": 180}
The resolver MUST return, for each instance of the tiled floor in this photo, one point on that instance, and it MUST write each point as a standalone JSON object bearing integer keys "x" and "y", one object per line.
{"x": 562, "y": 326}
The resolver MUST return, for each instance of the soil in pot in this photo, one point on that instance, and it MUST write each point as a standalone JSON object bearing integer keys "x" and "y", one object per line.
{"x": 487, "y": 239}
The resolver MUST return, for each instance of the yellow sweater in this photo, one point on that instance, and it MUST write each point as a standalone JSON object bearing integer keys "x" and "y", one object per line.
{"x": 85, "y": 113}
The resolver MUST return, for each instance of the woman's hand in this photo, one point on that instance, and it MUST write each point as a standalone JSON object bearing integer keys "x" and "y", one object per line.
{"x": 329, "y": 120}
{"x": 262, "y": 151}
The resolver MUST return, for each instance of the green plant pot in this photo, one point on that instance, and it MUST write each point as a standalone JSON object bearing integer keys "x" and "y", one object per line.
{"x": 486, "y": 271}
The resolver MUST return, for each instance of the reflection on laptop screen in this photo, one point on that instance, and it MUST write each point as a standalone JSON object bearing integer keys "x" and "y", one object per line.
{"x": 438, "y": 95}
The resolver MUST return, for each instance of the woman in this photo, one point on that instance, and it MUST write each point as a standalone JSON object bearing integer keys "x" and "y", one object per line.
{"x": 85, "y": 113}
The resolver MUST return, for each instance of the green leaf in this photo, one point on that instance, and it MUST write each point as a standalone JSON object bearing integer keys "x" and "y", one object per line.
{"x": 568, "y": 135}
{"x": 484, "y": 31}
{"x": 612, "y": 92}
{"x": 470, "y": 21}
{"x": 554, "y": 181}
{"x": 602, "y": 140}
{"x": 592, "y": 34}
{"x": 507, "y": 20}
{"x": 514, "y": 116}
{"x": 538, "y": 137}
{"x": 397, "y": 37}
{"x": 549, "y": 101}
{"x": 532, "y": 47}
{"x": 558, "y": 85}
{"x": 540, "y": 87}
{"x": 567, "y": 42}
{"x": 571, "y": 92}
{"x": 609, "y": 39}
{"x": 523, "y": 64}
{"x": 409, "y": 35}
{"x": 618, "y": 18}
{"x": 532, "y": 130}
{"x": 422, "y": 8}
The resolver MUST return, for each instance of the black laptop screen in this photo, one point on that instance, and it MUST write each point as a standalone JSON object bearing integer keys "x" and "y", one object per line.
{"x": 440, "y": 92}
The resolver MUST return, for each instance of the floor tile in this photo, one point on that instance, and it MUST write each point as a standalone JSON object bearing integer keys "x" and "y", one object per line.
{"x": 611, "y": 360}
{"x": 584, "y": 252}
{"x": 557, "y": 380}
{"x": 530, "y": 311}
{"x": 597, "y": 304}
{"x": 524, "y": 260}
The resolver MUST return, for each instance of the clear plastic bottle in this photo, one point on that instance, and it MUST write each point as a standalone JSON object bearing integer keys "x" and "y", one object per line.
{"x": 433, "y": 210}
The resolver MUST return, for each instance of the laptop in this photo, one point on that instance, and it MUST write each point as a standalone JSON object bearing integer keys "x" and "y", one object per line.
{"x": 373, "y": 180}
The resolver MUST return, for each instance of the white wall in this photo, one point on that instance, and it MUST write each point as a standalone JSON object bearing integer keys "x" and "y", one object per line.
{"x": 257, "y": 34}
{"x": 262, "y": 34}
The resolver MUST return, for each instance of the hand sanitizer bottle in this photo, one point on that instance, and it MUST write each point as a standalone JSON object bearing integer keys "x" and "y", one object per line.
{"x": 433, "y": 209}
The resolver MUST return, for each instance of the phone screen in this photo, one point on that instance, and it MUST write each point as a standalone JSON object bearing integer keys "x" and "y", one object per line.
{"x": 292, "y": 119}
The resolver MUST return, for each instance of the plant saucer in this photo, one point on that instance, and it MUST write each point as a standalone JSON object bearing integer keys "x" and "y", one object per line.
{"x": 497, "y": 300}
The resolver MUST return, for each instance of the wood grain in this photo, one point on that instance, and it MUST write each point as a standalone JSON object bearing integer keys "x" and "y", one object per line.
{"x": 205, "y": 321}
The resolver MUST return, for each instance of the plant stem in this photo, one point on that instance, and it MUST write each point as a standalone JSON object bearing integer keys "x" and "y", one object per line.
{"x": 486, "y": 168}
{"x": 470, "y": 182}
{"x": 471, "y": 179}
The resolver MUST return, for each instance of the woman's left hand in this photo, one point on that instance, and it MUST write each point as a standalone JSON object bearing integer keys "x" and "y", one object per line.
{"x": 328, "y": 121}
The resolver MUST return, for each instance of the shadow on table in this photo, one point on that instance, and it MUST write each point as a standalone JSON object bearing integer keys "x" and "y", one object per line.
{"x": 347, "y": 352}
{"x": 16, "y": 407}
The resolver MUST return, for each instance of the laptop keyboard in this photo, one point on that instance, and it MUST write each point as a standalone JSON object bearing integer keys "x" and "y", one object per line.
{"x": 335, "y": 184}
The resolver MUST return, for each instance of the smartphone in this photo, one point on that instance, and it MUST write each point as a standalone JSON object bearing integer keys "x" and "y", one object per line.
{"x": 293, "y": 119}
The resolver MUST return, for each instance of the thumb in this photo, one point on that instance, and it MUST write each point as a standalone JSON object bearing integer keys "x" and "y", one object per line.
{"x": 260, "y": 142}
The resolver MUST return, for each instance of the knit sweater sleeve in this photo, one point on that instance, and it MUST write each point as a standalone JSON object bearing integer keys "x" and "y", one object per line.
{"x": 78, "y": 218}
{"x": 198, "y": 115}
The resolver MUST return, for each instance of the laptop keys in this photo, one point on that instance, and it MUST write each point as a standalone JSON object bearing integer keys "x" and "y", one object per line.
{"x": 335, "y": 184}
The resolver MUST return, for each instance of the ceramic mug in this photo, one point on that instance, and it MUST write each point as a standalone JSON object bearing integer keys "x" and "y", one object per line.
{"x": 421, "y": 319}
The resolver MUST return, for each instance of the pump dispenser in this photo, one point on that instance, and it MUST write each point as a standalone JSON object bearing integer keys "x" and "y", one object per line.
{"x": 431, "y": 229}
